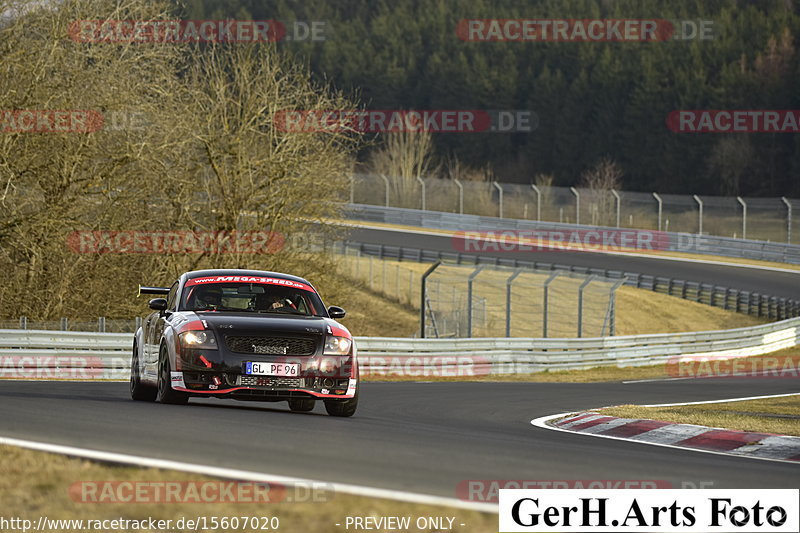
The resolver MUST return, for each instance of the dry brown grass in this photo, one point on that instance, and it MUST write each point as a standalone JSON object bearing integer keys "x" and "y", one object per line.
{"x": 371, "y": 315}
{"x": 36, "y": 484}
{"x": 638, "y": 311}
{"x": 767, "y": 415}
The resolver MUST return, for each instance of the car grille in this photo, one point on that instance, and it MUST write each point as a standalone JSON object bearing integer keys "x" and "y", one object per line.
{"x": 262, "y": 381}
{"x": 271, "y": 345}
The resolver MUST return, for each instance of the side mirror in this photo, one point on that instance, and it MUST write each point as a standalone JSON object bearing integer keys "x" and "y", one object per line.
{"x": 336, "y": 312}
{"x": 158, "y": 304}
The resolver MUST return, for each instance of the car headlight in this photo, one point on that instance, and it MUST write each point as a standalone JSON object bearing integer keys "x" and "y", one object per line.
{"x": 337, "y": 345}
{"x": 198, "y": 339}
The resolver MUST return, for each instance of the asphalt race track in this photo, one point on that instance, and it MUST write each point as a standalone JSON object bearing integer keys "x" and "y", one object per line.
{"x": 418, "y": 437}
{"x": 773, "y": 283}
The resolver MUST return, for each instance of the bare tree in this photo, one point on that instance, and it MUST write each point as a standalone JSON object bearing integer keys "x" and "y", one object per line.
{"x": 730, "y": 160}
{"x": 253, "y": 175}
{"x": 404, "y": 156}
{"x": 598, "y": 183}
{"x": 202, "y": 153}
{"x": 545, "y": 183}
{"x": 74, "y": 169}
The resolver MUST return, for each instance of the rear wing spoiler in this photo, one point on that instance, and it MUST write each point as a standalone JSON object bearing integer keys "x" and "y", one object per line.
{"x": 153, "y": 290}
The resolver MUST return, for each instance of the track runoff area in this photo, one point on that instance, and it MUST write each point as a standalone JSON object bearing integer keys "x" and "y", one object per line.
{"x": 617, "y": 251}
{"x": 442, "y": 456}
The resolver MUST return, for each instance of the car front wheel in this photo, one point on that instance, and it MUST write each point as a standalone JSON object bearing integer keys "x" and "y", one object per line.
{"x": 140, "y": 392}
{"x": 302, "y": 405}
{"x": 165, "y": 392}
{"x": 342, "y": 407}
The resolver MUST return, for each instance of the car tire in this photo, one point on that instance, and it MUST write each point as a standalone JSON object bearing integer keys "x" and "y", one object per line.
{"x": 165, "y": 392}
{"x": 139, "y": 391}
{"x": 302, "y": 405}
{"x": 342, "y": 407}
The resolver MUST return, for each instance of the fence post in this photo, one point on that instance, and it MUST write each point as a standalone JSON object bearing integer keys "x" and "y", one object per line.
{"x": 499, "y": 197}
{"x": 580, "y": 303}
{"x": 612, "y": 322}
{"x": 460, "y": 196}
{"x": 538, "y": 201}
{"x": 23, "y": 322}
{"x": 422, "y": 184}
{"x": 101, "y": 324}
{"x": 660, "y": 208}
{"x": 386, "y": 194}
{"x": 423, "y": 282}
{"x": 138, "y": 322}
{"x": 509, "y": 283}
{"x": 577, "y": 204}
{"x": 470, "y": 279}
{"x": 744, "y": 216}
{"x": 64, "y": 323}
{"x": 788, "y": 220}
{"x": 397, "y": 281}
{"x": 699, "y": 213}
{"x": 433, "y": 318}
{"x": 547, "y": 283}
{"x": 383, "y": 274}
{"x": 352, "y": 188}
{"x": 618, "y": 202}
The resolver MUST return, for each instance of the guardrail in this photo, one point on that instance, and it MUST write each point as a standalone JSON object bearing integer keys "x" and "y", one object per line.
{"x": 85, "y": 356}
{"x": 677, "y": 242}
{"x": 747, "y": 302}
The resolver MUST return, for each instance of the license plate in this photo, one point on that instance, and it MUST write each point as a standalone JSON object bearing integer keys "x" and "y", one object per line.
{"x": 272, "y": 369}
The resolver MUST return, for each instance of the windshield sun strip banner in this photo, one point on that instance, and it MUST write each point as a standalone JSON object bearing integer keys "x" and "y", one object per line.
{"x": 250, "y": 279}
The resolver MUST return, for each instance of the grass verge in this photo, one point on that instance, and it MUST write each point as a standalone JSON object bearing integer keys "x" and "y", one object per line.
{"x": 370, "y": 314}
{"x": 765, "y": 415}
{"x": 35, "y": 484}
{"x": 395, "y": 312}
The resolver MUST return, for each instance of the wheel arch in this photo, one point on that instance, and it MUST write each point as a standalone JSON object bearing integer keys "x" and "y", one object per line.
{"x": 169, "y": 340}
{"x": 138, "y": 340}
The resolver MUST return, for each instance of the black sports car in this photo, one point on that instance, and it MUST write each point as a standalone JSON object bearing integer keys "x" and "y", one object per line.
{"x": 246, "y": 335}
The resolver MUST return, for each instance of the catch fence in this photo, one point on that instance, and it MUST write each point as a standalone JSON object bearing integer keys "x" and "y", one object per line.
{"x": 492, "y": 301}
{"x": 762, "y": 219}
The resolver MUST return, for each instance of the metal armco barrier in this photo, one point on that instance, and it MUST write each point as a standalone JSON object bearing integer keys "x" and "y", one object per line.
{"x": 751, "y": 303}
{"x": 677, "y": 242}
{"x": 64, "y": 354}
{"x": 80, "y": 355}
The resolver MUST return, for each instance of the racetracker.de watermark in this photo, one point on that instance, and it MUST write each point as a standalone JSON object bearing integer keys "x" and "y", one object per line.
{"x": 488, "y": 490}
{"x": 734, "y": 121}
{"x": 53, "y": 367}
{"x": 770, "y": 366}
{"x": 444, "y": 366}
{"x": 583, "y": 30}
{"x": 403, "y": 120}
{"x": 196, "y": 31}
{"x": 50, "y": 121}
{"x": 175, "y": 242}
{"x": 203, "y": 492}
{"x": 552, "y": 239}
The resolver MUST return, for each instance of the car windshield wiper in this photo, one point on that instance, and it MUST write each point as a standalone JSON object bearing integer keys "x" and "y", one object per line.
{"x": 283, "y": 310}
{"x": 221, "y": 308}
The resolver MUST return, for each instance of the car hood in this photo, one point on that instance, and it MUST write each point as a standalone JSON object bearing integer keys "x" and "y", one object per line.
{"x": 251, "y": 323}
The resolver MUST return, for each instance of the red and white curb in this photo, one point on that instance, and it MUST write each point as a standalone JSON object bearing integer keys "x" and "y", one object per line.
{"x": 765, "y": 446}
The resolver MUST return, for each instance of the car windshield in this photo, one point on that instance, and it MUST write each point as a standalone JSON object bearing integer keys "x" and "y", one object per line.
{"x": 251, "y": 298}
